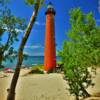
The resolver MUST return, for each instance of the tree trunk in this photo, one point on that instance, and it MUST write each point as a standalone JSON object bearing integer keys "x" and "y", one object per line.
{"x": 77, "y": 97}
{"x": 11, "y": 91}
{"x": 2, "y": 51}
{"x": 86, "y": 94}
{"x": 1, "y": 59}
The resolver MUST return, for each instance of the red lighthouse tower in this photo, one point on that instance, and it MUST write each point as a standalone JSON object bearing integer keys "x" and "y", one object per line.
{"x": 50, "y": 47}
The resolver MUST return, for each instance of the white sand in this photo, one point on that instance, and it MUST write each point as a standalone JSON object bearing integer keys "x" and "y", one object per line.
{"x": 36, "y": 87}
{"x": 41, "y": 87}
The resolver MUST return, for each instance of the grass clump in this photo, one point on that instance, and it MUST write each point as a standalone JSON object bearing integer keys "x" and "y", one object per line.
{"x": 37, "y": 69}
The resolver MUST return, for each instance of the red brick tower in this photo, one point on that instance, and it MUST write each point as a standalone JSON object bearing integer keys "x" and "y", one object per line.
{"x": 50, "y": 47}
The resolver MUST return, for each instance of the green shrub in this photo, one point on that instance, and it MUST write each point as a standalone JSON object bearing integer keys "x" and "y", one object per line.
{"x": 36, "y": 70}
{"x": 81, "y": 51}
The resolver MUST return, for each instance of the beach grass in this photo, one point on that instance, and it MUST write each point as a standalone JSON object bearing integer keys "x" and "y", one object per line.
{"x": 37, "y": 69}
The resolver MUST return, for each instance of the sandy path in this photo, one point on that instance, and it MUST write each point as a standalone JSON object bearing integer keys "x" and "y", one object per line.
{"x": 36, "y": 87}
{"x": 41, "y": 87}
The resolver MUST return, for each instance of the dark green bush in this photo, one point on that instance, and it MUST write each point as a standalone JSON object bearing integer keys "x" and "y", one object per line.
{"x": 36, "y": 70}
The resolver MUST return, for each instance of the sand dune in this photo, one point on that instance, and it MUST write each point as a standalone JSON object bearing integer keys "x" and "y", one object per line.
{"x": 41, "y": 87}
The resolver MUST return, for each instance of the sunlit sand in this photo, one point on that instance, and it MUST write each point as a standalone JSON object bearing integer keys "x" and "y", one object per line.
{"x": 41, "y": 86}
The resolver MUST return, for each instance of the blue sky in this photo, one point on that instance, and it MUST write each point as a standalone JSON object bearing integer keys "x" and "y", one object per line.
{"x": 35, "y": 43}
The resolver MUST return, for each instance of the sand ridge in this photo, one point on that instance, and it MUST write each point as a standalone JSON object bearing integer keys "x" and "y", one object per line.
{"x": 41, "y": 86}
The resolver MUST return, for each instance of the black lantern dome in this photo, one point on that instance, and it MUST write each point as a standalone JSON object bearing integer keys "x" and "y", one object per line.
{"x": 50, "y": 9}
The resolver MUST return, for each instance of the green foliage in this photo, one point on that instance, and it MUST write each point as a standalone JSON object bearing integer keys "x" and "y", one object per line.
{"x": 38, "y": 69}
{"x": 40, "y": 66}
{"x": 32, "y": 2}
{"x": 81, "y": 51}
{"x": 3, "y": 2}
{"x": 11, "y": 26}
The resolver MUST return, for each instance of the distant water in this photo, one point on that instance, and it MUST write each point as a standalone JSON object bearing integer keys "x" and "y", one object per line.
{"x": 31, "y": 60}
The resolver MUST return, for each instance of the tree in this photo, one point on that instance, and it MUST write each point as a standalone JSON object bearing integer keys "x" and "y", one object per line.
{"x": 37, "y": 4}
{"x": 81, "y": 51}
{"x": 10, "y": 26}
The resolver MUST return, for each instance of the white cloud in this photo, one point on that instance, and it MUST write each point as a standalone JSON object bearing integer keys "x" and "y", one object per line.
{"x": 33, "y": 46}
{"x": 39, "y": 23}
{"x": 99, "y": 6}
{"x": 99, "y": 9}
{"x": 26, "y": 53}
{"x": 98, "y": 20}
{"x": 36, "y": 53}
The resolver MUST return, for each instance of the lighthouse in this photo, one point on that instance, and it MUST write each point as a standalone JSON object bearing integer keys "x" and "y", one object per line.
{"x": 50, "y": 46}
